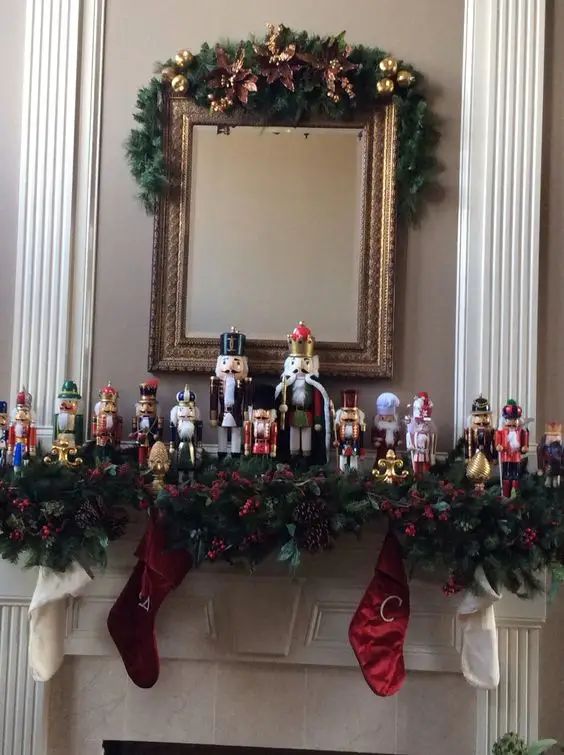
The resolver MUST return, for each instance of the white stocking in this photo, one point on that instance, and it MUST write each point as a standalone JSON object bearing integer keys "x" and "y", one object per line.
{"x": 342, "y": 463}
{"x": 306, "y": 441}
{"x": 222, "y": 440}
{"x": 294, "y": 440}
{"x": 235, "y": 440}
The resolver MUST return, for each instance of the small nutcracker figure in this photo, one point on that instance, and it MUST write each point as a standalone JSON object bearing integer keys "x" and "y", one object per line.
{"x": 68, "y": 422}
{"x": 350, "y": 426}
{"x": 550, "y": 454}
{"x": 261, "y": 429}
{"x": 386, "y": 432}
{"x": 146, "y": 425}
{"x": 106, "y": 425}
{"x": 230, "y": 390}
{"x": 512, "y": 441}
{"x": 421, "y": 437}
{"x": 479, "y": 435}
{"x": 305, "y": 408}
{"x": 185, "y": 434}
{"x": 22, "y": 433}
{"x": 3, "y": 433}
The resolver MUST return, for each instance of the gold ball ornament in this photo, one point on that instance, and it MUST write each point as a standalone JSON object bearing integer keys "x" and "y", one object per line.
{"x": 405, "y": 78}
{"x": 168, "y": 73}
{"x": 179, "y": 84}
{"x": 385, "y": 86}
{"x": 389, "y": 65}
{"x": 183, "y": 58}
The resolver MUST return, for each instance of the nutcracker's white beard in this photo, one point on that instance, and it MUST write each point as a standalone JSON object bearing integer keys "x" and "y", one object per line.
{"x": 390, "y": 427}
{"x": 513, "y": 438}
{"x": 185, "y": 429}
{"x": 229, "y": 384}
{"x": 64, "y": 420}
{"x": 299, "y": 389}
{"x": 145, "y": 423}
{"x": 19, "y": 430}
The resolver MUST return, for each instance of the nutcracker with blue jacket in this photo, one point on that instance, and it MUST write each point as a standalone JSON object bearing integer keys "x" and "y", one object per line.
{"x": 305, "y": 408}
{"x": 3, "y": 433}
{"x": 68, "y": 421}
{"x": 550, "y": 454}
{"x": 512, "y": 443}
{"x": 230, "y": 393}
{"x": 261, "y": 428}
{"x": 106, "y": 426}
{"x": 22, "y": 433}
{"x": 185, "y": 434}
{"x": 479, "y": 434}
{"x": 146, "y": 425}
{"x": 349, "y": 428}
{"x": 421, "y": 436}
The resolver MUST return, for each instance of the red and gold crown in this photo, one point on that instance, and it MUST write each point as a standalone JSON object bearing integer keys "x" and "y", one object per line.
{"x": 511, "y": 410}
{"x": 148, "y": 389}
{"x": 553, "y": 428}
{"x": 23, "y": 399}
{"x": 109, "y": 393}
{"x": 300, "y": 341}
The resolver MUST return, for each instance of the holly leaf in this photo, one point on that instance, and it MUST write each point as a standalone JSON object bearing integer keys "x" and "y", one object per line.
{"x": 542, "y": 745}
{"x": 288, "y": 551}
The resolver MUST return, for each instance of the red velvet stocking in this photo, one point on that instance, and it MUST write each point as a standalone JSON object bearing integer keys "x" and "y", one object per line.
{"x": 131, "y": 622}
{"x": 377, "y": 630}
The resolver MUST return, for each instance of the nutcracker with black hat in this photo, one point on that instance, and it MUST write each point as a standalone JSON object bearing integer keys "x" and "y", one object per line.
{"x": 386, "y": 431}
{"x": 512, "y": 442}
{"x": 261, "y": 428}
{"x": 349, "y": 428}
{"x": 230, "y": 392}
{"x": 146, "y": 425}
{"x": 421, "y": 437}
{"x": 479, "y": 433}
{"x": 68, "y": 420}
{"x": 3, "y": 433}
{"x": 305, "y": 408}
{"x": 106, "y": 425}
{"x": 550, "y": 454}
{"x": 22, "y": 433}
{"x": 185, "y": 433}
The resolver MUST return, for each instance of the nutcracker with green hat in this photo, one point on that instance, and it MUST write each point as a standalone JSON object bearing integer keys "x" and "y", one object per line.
{"x": 68, "y": 420}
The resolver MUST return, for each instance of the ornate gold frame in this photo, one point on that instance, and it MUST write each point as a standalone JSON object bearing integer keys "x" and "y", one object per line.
{"x": 371, "y": 356}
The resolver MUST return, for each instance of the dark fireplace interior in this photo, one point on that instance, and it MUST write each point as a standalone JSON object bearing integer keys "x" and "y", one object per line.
{"x": 156, "y": 748}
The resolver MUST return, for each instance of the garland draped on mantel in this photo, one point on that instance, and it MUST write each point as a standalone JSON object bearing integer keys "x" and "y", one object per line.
{"x": 288, "y": 77}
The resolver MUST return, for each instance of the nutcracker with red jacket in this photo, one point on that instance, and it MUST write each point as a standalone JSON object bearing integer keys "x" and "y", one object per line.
{"x": 550, "y": 454}
{"x": 421, "y": 437}
{"x": 349, "y": 428}
{"x": 305, "y": 408}
{"x": 261, "y": 428}
{"x": 106, "y": 425}
{"x": 185, "y": 433}
{"x": 512, "y": 442}
{"x": 230, "y": 392}
{"x": 146, "y": 425}
{"x": 22, "y": 433}
{"x": 386, "y": 431}
{"x": 3, "y": 433}
{"x": 479, "y": 434}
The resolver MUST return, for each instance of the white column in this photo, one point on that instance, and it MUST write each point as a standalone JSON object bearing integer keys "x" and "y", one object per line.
{"x": 500, "y": 175}
{"x": 57, "y": 204}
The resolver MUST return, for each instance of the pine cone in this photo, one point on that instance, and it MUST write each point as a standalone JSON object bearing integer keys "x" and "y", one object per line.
{"x": 510, "y": 744}
{"x": 115, "y": 526}
{"x": 316, "y": 537}
{"x": 309, "y": 511}
{"x": 88, "y": 515}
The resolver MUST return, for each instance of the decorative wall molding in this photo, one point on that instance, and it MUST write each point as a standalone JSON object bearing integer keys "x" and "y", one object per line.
{"x": 500, "y": 177}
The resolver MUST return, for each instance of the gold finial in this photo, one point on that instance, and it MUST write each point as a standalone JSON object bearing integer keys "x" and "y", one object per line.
{"x": 159, "y": 464}
{"x": 391, "y": 469}
{"x": 63, "y": 453}
{"x": 479, "y": 469}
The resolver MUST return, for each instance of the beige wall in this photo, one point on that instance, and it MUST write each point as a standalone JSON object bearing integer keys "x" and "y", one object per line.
{"x": 12, "y": 19}
{"x": 138, "y": 33}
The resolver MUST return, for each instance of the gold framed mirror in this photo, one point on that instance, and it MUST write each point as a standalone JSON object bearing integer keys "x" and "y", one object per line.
{"x": 264, "y": 224}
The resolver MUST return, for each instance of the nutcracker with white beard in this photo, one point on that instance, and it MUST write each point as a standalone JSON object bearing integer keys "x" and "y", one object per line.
{"x": 305, "y": 408}
{"x": 421, "y": 437}
{"x": 68, "y": 422}
{"x": 350, "y": 426}
{"x": 185, "y": 434}
{"x": 3, "y": 433}
{"x": 146, "y": 425}
{"x": 386, "y": 432}
{"x": 512, "y": 442}
{"x": 106, "y": 425}
{"x": 230, "y": 392}
{"x": 22, "y": 433}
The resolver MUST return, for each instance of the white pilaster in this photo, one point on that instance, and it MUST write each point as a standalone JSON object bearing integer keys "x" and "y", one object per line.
{"x": 498, "y": 243}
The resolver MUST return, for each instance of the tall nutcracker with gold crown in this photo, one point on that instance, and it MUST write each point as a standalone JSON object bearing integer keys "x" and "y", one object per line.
{"x": 185, "y": 433}
{"x": 421, "y": 437}
{"x": 350, "y": 426}
{"x": 230, "y": 392}
{"x": 512, "y": 442}
{"x": 68, "y": 421}
{"x": 22, "y": 433}
{"x": 106, "y": 425}
{"x": 146, "y": 425}
{"x": 305, "y": 408}
{"x": 3, "y": 433}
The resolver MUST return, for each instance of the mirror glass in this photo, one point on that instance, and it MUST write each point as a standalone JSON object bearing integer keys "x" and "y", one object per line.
{"x": 275, "y": 231}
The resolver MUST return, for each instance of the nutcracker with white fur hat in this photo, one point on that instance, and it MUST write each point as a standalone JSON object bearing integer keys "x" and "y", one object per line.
{"x": 146, "y": 425}
{"x": 512, "y": 442}
{"x": 421, "y": 436}
{"x": 386, "y": 431}
{"x": 22, "y": 433}
{"x": 185, "y": 433}
{"x": 68, "y": 421}
{"x": 106, "y": 425}
{"x": 305, "y": 408}
{"x": 350, "y": 426}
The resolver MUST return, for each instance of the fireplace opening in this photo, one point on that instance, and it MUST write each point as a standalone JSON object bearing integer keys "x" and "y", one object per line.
{"x": 157, "y": 748}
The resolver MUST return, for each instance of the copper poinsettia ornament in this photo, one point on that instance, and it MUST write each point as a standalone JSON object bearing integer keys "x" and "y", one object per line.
{"x": 232, "y": 78}
{"x": 333, "y": 65}
{"x": 277, "y": 62}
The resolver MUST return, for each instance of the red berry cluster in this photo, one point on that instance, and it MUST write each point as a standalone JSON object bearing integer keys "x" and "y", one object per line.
{"x": 444, "y": 516}
{"x": 216, "y": 489}
{"x": 428, "y": 512}
{"x": 16, "y": 535}
{"x": 451, "y": 586}
{"x": 172, "y": 490}
{"x": 254, "y": 538}
{"x": 46, "y": 532}
{"x": 22, "y": 504}
{"x": 251, "y": 505}
{"x": 217, "y": 547}
{"x": 410, "y": 530}
{"x": 529, "y": 537}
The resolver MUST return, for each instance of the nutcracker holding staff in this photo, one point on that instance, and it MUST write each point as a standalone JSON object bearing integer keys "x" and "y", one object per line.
{"x": 22, "y": 433}
{"x": 421, "y": 437}
{"x": 185, "y": 433}
{"x": 3, "y": 433}
{"x": 512, "y": 442}
{"x": 305, "y": 408}
{"x": 479, "y": 435}
{"x": 106, "y": 425}
{"x": 230, "y": 392}
{"x": 261, "y": 429}
{"x": 146, "y": 426}
{"x": 550, "y": 454}
{"x": 68, "y": 422}
{"x": 386, "y": 432}
{"x": 350, "y": 425}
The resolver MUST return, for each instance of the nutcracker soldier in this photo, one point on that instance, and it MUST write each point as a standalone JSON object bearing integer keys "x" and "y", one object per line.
{"x": 106, "y": 425}
{"x": 261, "y": 428}
{"x": 305, "y": 408}
{"x": 421, "y": 437}
{"x": 68, "y": 422}
{"x": 3, "y": 433}
{"x": 185, "y": 434}
{"x": 22, "y": 433}
{"x": 146, "y": 425}
{"x": 550, "y": 454}
{"x": 512, "y": 441}
{"x": 230, "y": 392}
{"x": 386, "y": 432}
{"x": 349, "y": 428}
{"x": 479, "y": 435}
